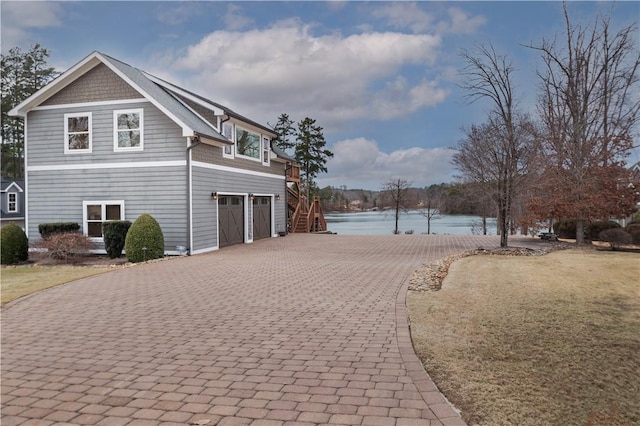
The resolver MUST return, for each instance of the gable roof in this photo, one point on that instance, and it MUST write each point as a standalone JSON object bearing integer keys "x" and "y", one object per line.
{"x": 162, "y": 94}
{"x": 7, "y": 184}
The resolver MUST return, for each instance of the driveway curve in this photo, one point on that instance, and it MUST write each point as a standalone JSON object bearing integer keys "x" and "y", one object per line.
{"x": 306, "y": 329}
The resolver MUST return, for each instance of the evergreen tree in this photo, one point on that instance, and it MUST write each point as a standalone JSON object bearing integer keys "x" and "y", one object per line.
{"x": 23, "y": 74}
{"x": 284, "y": 128}
{"x": 310, "y": 152}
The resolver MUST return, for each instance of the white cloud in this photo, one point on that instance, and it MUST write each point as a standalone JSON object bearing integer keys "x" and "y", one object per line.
{"x": 177, "y": 15}
{"x": 20, "y": 17}
{"x": 332, "y": 78}
{"x": 359, "y": 163}
{"x": 410, "y": 15}
{"x": 234, "y": 19}
{"x": 404, "y": 15}
{"x": 461, "y": 23}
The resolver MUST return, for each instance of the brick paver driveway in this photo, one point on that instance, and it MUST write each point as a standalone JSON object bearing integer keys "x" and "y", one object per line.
{"x": 306, "y": 329}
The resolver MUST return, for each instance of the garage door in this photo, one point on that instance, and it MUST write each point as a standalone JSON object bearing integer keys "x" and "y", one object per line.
{"x": 231, "y": 220}
{"x": 261, "y": 217}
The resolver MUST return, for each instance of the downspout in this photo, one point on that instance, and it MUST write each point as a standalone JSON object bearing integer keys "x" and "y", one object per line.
{"x": 195, "y": 141}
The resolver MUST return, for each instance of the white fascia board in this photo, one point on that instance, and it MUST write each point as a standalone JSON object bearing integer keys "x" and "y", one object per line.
{"x": 216, "y": 110}
{"x": 62, "y": 81}
{"x": 13, "y": 184}
{"x": 186, "y": 130}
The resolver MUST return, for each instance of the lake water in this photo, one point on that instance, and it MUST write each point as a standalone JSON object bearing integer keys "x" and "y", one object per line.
{"x": 381, "y": 223}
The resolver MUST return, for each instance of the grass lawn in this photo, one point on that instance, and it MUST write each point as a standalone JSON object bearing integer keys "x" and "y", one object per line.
{"x": 20, "y": 281}
{"x": 535, "y": 340}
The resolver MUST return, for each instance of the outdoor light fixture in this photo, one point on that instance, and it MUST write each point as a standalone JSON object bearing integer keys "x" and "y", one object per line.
{"x": 251, "y": 196}
{"x": 277, "y": 197}
{"x": 214, "y": 195}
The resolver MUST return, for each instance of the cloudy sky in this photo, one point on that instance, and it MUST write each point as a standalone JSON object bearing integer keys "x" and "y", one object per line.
{"x": 381, "y": 78}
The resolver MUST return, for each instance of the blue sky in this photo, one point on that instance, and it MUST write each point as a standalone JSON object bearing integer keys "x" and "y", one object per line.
{"x": 379, "y": 77}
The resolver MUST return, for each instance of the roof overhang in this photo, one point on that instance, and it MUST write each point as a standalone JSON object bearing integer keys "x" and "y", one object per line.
{"x": 210, "y": 140}
{"x": 13, "y": 185}
{"x": 59, "y": 83}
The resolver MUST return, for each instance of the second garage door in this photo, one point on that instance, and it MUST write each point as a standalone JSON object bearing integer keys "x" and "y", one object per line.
{"x": 231, "y": 220}
{"x": 261, "y": 217}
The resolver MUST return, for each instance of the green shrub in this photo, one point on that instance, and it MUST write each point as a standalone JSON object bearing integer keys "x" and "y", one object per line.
{"x": 595, "y": 228}
{"x": 47, "y": 229}
{"x": 615, "y": 237}
{"x": 635, "y": 237}
{"x": 14, "y": 245}
{"x": 64, "y": 245}
{"x": 115, "y": 235}
{"x": 636, "y": 217}
{"x": 565, "y": 228}
{"x": 144, "y": 240}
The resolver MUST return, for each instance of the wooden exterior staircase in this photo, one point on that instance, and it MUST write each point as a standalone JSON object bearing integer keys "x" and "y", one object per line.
{"x": 303, "y": 217}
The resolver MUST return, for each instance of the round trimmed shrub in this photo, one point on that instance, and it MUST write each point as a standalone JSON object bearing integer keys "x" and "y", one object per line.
{"x": 635, "y": 237}
{"x": 144, "y": 240}
{"x": 595, "y": 228}
{"x": 14, "y": 245}
{"x": 565, "y": 228}
{"x": 616, "y": 237}
{"x": 115, "y": 235}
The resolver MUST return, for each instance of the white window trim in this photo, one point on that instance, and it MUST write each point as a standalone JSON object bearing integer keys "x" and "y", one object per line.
{"x": 232, "y": 139}
{"x": 103, "y": 203}
{"x": 117, "y": 112}
{"x": 9, "y": 209}
{"x": 259, "y": 159}
{"x": 265, "y": 146}
{"x": 66, "y": 133}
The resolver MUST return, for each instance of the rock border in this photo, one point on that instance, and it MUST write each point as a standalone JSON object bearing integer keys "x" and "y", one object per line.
{"x": 429, "y": 277}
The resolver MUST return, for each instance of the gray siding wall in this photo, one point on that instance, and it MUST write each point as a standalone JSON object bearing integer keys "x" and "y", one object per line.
{"x": 98, "y": 84}
{"x": 213, "y": 155}
{"x": 163, "y": 139}
{"x": 206, "y": 181}
{"x": 57, "y": 197}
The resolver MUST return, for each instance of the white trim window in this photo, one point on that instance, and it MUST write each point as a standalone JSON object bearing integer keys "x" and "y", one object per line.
{"x": 227, "y": 132}
{"x": 266, "y": 151}
{"x": 12, "y": 202}
{"x": 128, "y": 130}
{"x": 248, "y": 144}
{"x": 95, "y": 213}
{"x": 77, "y": 133}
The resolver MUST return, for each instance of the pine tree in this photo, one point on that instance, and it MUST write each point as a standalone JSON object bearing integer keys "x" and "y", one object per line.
{"x": 310, "y": 152}
{"x": 285, "y": 130}
{"x": 23, "y": 74}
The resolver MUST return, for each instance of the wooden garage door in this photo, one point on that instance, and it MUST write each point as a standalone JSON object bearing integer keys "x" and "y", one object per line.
{"x": 261, "y": 217}
{"x": 231, "y": 220}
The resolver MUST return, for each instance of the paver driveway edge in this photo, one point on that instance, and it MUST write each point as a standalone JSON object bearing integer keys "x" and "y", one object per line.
{"x": 435, "y": 400}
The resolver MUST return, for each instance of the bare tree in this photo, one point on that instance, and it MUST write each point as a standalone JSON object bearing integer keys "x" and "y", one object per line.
{"x": 397, "y": 189}
{"x": 431, "y": 205}
{"x": 589, "y": 106}
{"x": 494, "y": 153}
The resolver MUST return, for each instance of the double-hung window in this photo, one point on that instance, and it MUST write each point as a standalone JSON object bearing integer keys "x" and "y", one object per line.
{"x": 227, "y": 132}
{"x": 12, "y": 202}
{"x": 77, "y": 133}
{"x": 266, "y": 150}
{"x": 97, "y": 212}
{"x": 248, "y": 144}
{"x": 128, "y": 130}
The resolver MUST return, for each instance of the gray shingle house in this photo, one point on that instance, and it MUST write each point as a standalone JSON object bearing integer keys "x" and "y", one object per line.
{"x": 107, "y": 141}
{"x": 12, "y": 202}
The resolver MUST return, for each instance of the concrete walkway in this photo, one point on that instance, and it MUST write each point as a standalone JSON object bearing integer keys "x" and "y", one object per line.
{"x": 306, "y": 329}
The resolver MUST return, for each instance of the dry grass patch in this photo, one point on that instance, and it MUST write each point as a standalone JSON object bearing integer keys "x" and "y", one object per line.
{"x": 535, "y": 340}
{"x": 18, "y": 281}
